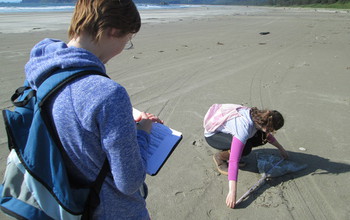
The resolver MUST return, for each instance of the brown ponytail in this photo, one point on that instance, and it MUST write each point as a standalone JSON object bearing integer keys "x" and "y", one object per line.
{"x": 272, "y": 120}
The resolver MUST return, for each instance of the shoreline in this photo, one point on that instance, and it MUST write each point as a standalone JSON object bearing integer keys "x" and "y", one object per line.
{"x": 48, "y": 21}
{"x": 184, "y": 63}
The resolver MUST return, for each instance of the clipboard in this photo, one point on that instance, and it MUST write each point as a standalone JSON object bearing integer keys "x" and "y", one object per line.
{"x": 163, "y": 141}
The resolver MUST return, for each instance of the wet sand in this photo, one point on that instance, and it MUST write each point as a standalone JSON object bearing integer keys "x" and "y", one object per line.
{"x": 186, "y": 60}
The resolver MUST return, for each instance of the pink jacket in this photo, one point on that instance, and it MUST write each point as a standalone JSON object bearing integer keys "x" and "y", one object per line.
{"x": 218, "y": 114}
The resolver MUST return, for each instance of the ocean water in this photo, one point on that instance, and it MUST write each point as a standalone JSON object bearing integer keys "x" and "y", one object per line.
{"x": 13, "y": 7}
{"x": 12, "y": 14}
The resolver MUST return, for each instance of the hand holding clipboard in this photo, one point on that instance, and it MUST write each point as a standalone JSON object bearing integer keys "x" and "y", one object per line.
{"x": 163, "y": 141}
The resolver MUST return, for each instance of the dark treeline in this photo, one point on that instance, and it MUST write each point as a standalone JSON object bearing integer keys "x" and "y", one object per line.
{"x": 304, "y": 2}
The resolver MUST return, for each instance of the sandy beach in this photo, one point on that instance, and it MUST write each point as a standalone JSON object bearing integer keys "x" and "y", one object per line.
{"x": 185, "y": 60}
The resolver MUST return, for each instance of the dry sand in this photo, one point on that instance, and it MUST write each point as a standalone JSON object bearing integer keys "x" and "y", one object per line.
{"x": 186, "y": 60}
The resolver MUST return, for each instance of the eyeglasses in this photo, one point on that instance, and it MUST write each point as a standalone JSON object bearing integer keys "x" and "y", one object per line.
{"x": 129, "y": 45}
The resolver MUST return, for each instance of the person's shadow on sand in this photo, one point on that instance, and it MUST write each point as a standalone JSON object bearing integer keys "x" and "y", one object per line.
{"x": 315, "y": 166}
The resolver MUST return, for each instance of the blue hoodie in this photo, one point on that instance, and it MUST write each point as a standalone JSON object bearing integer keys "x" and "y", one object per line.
{"x": 93, "y": 118}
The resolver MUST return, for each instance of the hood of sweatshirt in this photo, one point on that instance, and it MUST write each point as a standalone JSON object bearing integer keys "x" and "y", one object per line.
{"x": 51, "y": 55}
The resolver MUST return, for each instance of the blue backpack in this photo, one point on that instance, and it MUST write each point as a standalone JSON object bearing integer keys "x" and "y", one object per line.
{"x": 36, "y": 183}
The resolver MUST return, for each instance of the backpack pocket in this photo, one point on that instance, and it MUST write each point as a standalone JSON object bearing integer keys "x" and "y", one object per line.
{"x": 15, "y": 194}
{"x": 22, "y": 193}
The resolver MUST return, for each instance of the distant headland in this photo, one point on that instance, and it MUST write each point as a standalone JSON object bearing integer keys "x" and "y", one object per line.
{"x": 48, "y": 1}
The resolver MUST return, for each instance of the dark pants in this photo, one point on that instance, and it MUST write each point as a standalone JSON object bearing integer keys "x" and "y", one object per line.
{"x": 222, "y": 141}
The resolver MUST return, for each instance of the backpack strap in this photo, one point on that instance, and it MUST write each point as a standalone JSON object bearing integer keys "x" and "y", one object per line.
{"x": 93, "y": 199}
{"x": 60, "y": 78}
{"x": 48, "y": 88}
{"x": 19, "y": 92}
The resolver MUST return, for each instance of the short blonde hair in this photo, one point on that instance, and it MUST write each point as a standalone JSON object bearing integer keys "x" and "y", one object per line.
{"x": 96, "y": 16}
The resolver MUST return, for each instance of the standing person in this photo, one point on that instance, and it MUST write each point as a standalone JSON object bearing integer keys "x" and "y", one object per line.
{"x": 93, "y": 114}
{"x": 234, "y": 130}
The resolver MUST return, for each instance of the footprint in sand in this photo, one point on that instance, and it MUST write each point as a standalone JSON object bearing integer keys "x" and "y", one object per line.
{"x": 271, "y": 198}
